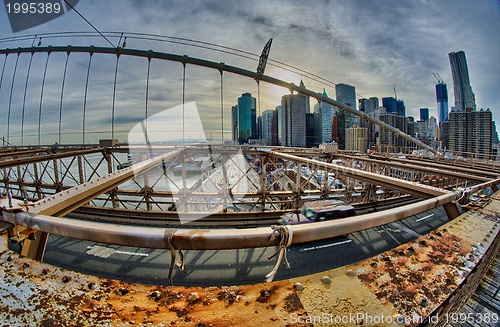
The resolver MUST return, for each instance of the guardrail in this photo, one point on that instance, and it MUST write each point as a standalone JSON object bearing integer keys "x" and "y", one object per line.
{"x": 214, "y": 239}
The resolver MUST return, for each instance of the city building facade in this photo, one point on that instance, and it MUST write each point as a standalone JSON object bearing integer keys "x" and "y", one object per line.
{"x": 293, "y": 120}
{"x": 357, "y": 139}
{"x": 442, "y": 101}
{"x": 346, "y": 94}
{"x": 470, "y": 133}
{"x": 247, "y": 122}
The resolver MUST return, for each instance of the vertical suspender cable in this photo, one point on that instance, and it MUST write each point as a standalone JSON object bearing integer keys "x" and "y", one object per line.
{"x": 259, "y": 129}
{"x": 1, "y": 76}
{"x": 3, "y": 69}
{"x": 147, "y": 92}
{"x": 114, "y": 97}
{"x": 85, "y": 98}
{"x": 24, "y": 98}
{"x": 10, "y": 99}
{"x": 62, "y": 95}
{"x": 221, "y": 107}
{"x": 41, "y": 98}
{"x": 183, "y": 98}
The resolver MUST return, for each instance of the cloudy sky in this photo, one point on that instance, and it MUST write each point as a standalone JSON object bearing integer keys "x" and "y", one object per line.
{"x": 375, "y": 46}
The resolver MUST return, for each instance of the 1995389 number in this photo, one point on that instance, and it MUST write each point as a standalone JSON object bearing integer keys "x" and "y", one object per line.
{"x": 33, "y": 8}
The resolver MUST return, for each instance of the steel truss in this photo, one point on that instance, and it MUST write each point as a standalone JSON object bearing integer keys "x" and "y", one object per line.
{"x": 269, "y": 183}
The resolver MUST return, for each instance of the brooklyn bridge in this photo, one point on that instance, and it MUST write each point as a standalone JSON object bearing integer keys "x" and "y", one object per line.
{"x": 191, "y": 231}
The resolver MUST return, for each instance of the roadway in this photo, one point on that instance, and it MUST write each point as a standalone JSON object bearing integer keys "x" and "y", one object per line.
{"x": 234, "y": 267}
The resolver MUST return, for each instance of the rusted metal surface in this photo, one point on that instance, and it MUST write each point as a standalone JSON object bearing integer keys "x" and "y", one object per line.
{"x": 400, "y": 287}
{"x": 36, "y": 294}
{"x": 404, "y": 286}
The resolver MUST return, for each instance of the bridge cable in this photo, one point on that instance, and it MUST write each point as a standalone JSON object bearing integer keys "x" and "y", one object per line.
{"x": 10, "y": 99}
{"x": 3, "y": 69}
{"x": 62, "y": 95}
{"x": 183, "y": 98}
{"x": 41, "y": 98}
{"x": 24, "y": 98}
{"x": 259, "y": 131}
{"x": 85, "y": 98}
{"x": 85, "y": 19}
{"x": 1, "y": 76}
{"x": 222, "y": 106}
{"x": 114, "y": 99}
{"x": 147, "y": 93}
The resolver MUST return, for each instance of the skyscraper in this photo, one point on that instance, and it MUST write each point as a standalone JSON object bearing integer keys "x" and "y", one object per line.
{"x": 246, "y": 118}
{"x": 424, "y": 114}
{"x": 464, "y": 97}
{"x": 442, "y": 101}
{"x": 325, "y": 121}
{"x": 470, "y": 132}
{"x": 267, "y": 126}
{"x": 293, "y": 119}
{"x": 368, "y": 106}
{"x": 234, "y": 123}
{"x": 347, "y": 94}
{"x": 390, "y": 104}
{"x": 401, "y": 108}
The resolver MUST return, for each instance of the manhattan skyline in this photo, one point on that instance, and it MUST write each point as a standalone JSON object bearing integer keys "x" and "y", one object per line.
{"x": 375, "y": 47}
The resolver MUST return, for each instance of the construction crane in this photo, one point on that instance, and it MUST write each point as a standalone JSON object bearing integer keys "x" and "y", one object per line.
{"x": 439, "y": 79}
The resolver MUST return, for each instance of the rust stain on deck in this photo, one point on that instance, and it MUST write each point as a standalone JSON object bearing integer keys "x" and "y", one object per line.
{"x": 38, "y": 294}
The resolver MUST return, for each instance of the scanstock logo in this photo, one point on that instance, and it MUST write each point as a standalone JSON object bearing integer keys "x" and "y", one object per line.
{"x": 190, "y": 174}
{"x": 27, "y": 14}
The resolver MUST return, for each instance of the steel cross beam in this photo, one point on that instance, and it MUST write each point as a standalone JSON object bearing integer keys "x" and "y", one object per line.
{"x": 37, "y": 158}
{"x": 476, "y": 171}
{"x": 413, "y": 166}
{"x": 64, "y": 202}
{"x": 220, "y": 66}
{"x": 419, "y": 190}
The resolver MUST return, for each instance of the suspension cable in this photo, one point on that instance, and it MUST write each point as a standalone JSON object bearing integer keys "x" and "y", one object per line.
{"x": 10, "y": 99}
{"x": 85, "y": 19}
{"x": 221, "y": 106}
{"x": 62, "y": 95}
{"x": 114, "y": 98}
{"x": 24, "y": 98}
{"x": 183, "y": 98}
{"x": 3, "y": 69}
{"x": 85, "y": 98}
{"x": 41, "y": 98}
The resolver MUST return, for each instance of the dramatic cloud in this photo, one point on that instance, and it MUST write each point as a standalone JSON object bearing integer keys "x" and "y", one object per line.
{"x": 374, "y": 45}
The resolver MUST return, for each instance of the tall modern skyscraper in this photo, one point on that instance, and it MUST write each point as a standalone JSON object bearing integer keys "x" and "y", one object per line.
{"x": 234, "y": 123}
{"x": 246, "y": 118}
{"x": 293, "y": 119}
{"x": 368, "y": 106}
{"x": 401, "y": 108}
{"x": 347, "y": 94}
{"x": 390, "y": 104}
{"x": 442, "y": 101}
{"x": 424, "y": 114}
{"x": 464, "y": 97}
{"x": 267, "y": 126}
{"x": 324, "y": 127}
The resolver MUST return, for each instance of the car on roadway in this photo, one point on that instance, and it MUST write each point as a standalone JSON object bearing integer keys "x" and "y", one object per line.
{"x": 319, "y": 210}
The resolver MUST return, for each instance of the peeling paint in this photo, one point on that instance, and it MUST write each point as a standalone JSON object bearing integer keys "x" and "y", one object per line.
{"x": 37, "y": 294}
